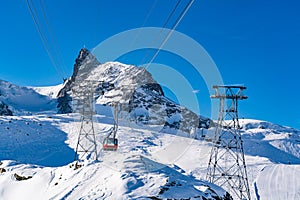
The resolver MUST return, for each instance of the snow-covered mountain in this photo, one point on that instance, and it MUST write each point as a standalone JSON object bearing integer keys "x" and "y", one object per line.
{"x": 50, "y": 91}
{"x": 141, "y": 97}
{"x": 278, "y": 143}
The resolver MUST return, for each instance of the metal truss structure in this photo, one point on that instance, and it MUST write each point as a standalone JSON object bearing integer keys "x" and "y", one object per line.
{"x": 227, "y": 167}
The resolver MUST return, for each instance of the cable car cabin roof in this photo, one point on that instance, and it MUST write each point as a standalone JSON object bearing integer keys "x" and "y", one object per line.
{"x": 110, "y": 141}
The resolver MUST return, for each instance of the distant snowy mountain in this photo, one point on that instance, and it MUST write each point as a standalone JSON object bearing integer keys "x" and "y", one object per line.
{"x": 278, "y": 143}
{"x": 50, "y": 91}
{"x": 140, "y": 96}
{"x": 17, "y": 100}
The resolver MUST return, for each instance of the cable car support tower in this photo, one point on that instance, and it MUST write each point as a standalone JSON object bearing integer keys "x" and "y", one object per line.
{"x": 227, "y": 167}
{"x": 83, "y": 103}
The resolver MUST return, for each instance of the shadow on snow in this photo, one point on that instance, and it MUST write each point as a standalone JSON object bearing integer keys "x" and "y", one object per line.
{"x": 33, "y": 141}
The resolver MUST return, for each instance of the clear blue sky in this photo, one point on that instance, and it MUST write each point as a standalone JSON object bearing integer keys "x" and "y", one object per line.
{"x": 256, "y": 43}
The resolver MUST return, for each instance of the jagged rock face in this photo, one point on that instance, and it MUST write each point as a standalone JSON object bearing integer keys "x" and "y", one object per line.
{"x": 63, "y": 103}
{"x": 139, "y": 95}
{"x": 84, "y": 64}
{"x": 149, "y": 106}
{"x": 4, "y": 110}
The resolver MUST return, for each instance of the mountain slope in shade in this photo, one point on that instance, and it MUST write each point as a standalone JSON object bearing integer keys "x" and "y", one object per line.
{"x": 17, "y": 100}
{"x": 4, "y": 110}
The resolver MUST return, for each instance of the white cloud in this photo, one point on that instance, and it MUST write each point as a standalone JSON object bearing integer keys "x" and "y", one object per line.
{"x": 196, "y": 91}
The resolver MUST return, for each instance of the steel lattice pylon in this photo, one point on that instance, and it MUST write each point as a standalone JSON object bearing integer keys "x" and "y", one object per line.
{"x": 83, "y": 103}
{"x": 227, "y": 167}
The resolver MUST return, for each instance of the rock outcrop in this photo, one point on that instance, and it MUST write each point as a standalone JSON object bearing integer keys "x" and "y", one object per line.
{"x": 4, "y": 110}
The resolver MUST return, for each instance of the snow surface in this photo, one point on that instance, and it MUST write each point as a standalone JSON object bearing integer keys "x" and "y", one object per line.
{"x": 43, "y": 146}
{"x": 50, "y": 91}
{"x": 126, "y": 79}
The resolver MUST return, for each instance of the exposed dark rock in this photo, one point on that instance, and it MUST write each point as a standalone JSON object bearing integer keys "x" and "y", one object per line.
{"x": 84, "y": 64}
{"x": 63, "y": 104}
{"x": 153, "y": 87}
{"x": 2, "y": 170}
{"x": 4, "y": 110}
{"x": 162, "y": 111}
{"x": 21, "y": 178}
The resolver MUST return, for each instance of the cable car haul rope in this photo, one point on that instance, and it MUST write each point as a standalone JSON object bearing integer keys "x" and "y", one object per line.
{"x": 46, "y": 34}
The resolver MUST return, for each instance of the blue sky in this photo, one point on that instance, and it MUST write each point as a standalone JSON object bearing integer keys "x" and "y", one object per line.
{"x": 256, "y": 43}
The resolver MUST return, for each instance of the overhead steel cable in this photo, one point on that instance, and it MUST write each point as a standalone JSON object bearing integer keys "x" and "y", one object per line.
{"x": 52, "y": 39}
{"x": 187, "y": 7}
{"x": 36, "y": 21}
{"x": 171, "y": 14}
{"x": 164, "y": 26}
{"x": 149, "y": 13}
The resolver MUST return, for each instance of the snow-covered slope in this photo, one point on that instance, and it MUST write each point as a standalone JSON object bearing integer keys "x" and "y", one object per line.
{"x": 278, "y": 143}
{"x": 280, "y": 147}
{"x": 147, "y": 165}
{"x": 50, "y": 91}
{"x": 43, "y": 147}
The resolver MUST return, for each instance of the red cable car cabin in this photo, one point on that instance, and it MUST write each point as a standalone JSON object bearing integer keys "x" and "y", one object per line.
{"x": 110, "y": 144}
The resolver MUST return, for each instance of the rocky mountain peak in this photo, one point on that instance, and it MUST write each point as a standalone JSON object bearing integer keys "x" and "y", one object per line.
{"x": 140, "y": 96}
{"x": 84, "y": 64}
{"x": 81, "y": 63}
{"x": 83, "y": 53}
